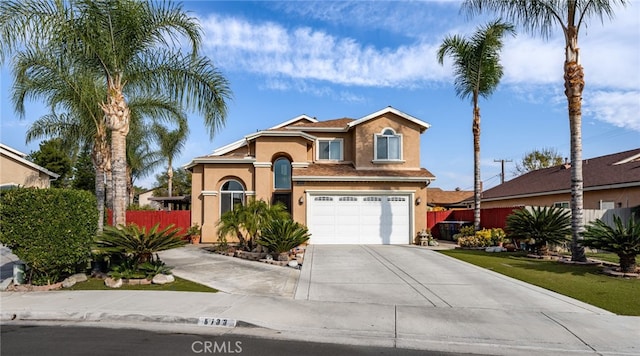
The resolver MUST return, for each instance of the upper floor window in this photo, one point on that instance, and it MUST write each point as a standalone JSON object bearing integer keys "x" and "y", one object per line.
{"x": 330, "y": 150}
{"x": 388, "y": 146}
{"x": 282, "y": 173}
{"x": 231, "y": 194}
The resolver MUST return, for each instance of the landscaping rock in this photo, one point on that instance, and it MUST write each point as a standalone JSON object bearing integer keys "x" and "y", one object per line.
{"x": 79, "y": 277}
{"x": 163, "y": 279}
{"x": 112, "y": 283}
{"x": 6, "y": 283}
{"x": 68, "y": 282}
{"x": 293, "y": 263}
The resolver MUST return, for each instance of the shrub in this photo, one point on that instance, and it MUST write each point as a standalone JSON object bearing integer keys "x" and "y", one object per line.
{"x": 540, "y": 226}
{"x": 280, "y": 236}
{"x": 247, "y": 221}
{"x": 51, "y": 230}
{"x": 136, "y": 244}
{"x": 623, "y": 240}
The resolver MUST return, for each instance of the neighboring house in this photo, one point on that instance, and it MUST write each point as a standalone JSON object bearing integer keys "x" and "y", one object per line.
{"x": 144, "y": 199}
{"x": 449, "y": 199}
{"x": 16, "y": 170}
{"x": 350, "y": 181}
{"x": 611, "y": 181}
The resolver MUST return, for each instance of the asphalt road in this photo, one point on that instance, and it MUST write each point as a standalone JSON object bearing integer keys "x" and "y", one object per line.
{"x": 27, "y": 340}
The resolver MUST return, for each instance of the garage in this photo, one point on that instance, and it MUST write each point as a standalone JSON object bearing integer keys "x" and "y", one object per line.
{"x": 359, "y": 219}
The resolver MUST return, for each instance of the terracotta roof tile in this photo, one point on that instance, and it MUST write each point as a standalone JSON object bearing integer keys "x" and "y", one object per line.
{"x": 337, "y": 123}
{"x": 598, "y": 171}
{"x": 347, "y": 170}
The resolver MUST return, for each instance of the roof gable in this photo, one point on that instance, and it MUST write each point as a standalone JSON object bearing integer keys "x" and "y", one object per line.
{"x": 20, "y": 157}
{"x": 423, "y": 125}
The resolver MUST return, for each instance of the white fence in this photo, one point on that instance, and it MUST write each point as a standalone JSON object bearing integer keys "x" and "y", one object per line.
{"x": 606, "y": 215}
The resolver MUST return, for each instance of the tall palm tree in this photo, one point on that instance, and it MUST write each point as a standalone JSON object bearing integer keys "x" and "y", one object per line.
{"x": 476, "y": 63}
{"x": 542, "y": 16}
{"x": 135, "y": 46}
{"x": 170, "y": 145}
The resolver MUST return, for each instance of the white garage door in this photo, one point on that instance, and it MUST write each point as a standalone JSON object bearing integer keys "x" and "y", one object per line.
{"x": 359, "y": 219}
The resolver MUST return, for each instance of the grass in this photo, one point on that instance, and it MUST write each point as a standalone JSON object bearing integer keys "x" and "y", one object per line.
{"x": 179, "y": 285}
{"x": 585, "y": 283}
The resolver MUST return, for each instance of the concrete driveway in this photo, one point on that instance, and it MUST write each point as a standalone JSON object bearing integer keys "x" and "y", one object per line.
{"x": 411, "y": 275}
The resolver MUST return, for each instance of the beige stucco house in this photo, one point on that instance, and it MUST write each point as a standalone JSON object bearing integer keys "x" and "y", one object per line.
{"x": 351, "y": 181}
{"x": 16, "y": 170}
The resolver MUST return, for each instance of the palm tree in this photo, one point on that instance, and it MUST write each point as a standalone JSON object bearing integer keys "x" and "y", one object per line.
{"x": 621, "y": 239}
{"x": 541, "y": 16}
{"x": 134, "y": 46}
{"x": 170, "y": 144}
{"x": 478, "y": 72}
{"x": 540, "y": 226}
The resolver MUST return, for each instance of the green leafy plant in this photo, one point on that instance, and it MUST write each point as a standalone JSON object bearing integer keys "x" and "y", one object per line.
{"x": 621, "y": 239}
{"x": 247, "y": 221}
{"x": 540, "y": 226}
{"x": 280, "y": 236}
{"x": 136, "y": 243}
{"x": 50, "y": 230}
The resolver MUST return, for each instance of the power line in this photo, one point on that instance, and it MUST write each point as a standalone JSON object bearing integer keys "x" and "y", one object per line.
{"x": 502, "y": 161}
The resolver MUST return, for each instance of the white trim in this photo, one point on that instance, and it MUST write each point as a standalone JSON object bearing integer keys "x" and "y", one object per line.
{"x": 390, "y": 109}
{"x": 375, "y": 146}
{"x": 291, "y": 121}
{"x": 206, "y": 193}
{"x": 16, "y": 155}
{"x": 280, "y": 134}
{"x": 319, "y": 129}
{"x": 628, "y": 159}
{"x": 262, "y": 164}
{"x": 299, "y": 164}
{"x": 359, "y": 179}
{"x": 217, "y": 160}
{"x": 329, "y": 139}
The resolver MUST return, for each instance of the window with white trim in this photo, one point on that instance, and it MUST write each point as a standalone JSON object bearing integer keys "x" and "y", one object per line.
{"x": 231, "y": 194}
{"x": 562, "y": 204}
{"x": 388, "y": 146}
{"x": 330, "y": 149}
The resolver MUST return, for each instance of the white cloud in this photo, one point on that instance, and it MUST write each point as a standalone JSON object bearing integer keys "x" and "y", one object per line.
{"x": 615, "y": 107}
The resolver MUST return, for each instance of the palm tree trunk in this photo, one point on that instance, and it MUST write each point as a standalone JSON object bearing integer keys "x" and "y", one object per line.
{"x": 574, "y": 85}
{"x": 170, "y": 180}
{"x": 627, "y": 263}
{"x": 117, "y": 115}
{"x": 477, "y": 183}
{"x": 100, "y": 157}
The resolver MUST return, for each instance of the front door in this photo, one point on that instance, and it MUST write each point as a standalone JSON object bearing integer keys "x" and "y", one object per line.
{"x": 284, "y": 198}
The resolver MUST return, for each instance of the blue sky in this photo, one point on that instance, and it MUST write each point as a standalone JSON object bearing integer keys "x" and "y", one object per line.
{"x": 348, "y": 59}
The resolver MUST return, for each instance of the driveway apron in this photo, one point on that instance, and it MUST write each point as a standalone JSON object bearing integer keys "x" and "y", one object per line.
{"x": 410, "y": 275}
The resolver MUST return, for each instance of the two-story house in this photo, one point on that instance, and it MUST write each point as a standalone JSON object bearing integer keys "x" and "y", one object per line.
{"x": 350, "y": 181}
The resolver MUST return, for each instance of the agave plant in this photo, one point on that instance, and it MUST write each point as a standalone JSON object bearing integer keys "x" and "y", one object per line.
{"x": 137, "y": 243}
{"x": 541, "y": 226}
{"x": 280, "y": 236}
{"x": 623, "y": 240}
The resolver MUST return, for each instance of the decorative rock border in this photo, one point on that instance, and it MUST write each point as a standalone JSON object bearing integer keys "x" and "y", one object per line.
{"x": 613, "y": 271}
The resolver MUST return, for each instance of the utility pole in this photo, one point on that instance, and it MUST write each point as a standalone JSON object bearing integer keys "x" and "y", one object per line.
{"x": 502, "y": 161}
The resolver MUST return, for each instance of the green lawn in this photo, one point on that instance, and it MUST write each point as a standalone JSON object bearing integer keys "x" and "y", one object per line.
{"x": 585, "y": 283}
{"x": 180, "y": 285}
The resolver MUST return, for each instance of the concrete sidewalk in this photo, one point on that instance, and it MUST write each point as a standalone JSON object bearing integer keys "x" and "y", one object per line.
{"x": 464, "y": 328}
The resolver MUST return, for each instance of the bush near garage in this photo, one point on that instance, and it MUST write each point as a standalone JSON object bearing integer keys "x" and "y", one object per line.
{"x": 50, "y": 230}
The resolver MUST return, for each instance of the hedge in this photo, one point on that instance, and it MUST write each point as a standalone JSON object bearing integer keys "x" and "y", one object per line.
{"x": 50, "y": 230}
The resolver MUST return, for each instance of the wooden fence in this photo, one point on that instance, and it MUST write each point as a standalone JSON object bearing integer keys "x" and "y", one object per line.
{"x": 497, "y": 217}
{"x": 148, "y": 218}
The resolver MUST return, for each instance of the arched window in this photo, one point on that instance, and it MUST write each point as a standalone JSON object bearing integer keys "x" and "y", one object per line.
{"x": 388, "y": 146}
{"x": 282, "y": 173}
{"x": 231, "y": 194}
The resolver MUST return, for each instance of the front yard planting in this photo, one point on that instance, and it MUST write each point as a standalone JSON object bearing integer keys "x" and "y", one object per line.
{"x": 585, "y": 283}
{"x": 179, "y": 285}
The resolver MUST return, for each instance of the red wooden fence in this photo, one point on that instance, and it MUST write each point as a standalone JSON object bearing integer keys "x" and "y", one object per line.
{"x": 489, "y": 218}
{"x": 148, "y": 218}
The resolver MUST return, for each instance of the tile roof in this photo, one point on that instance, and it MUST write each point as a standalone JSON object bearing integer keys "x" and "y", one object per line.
{"x": 347, "y": 170}
{"x": 596, "y": 172}
{"x": 337, "y": 123}
{"x": 445, "y": 197}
